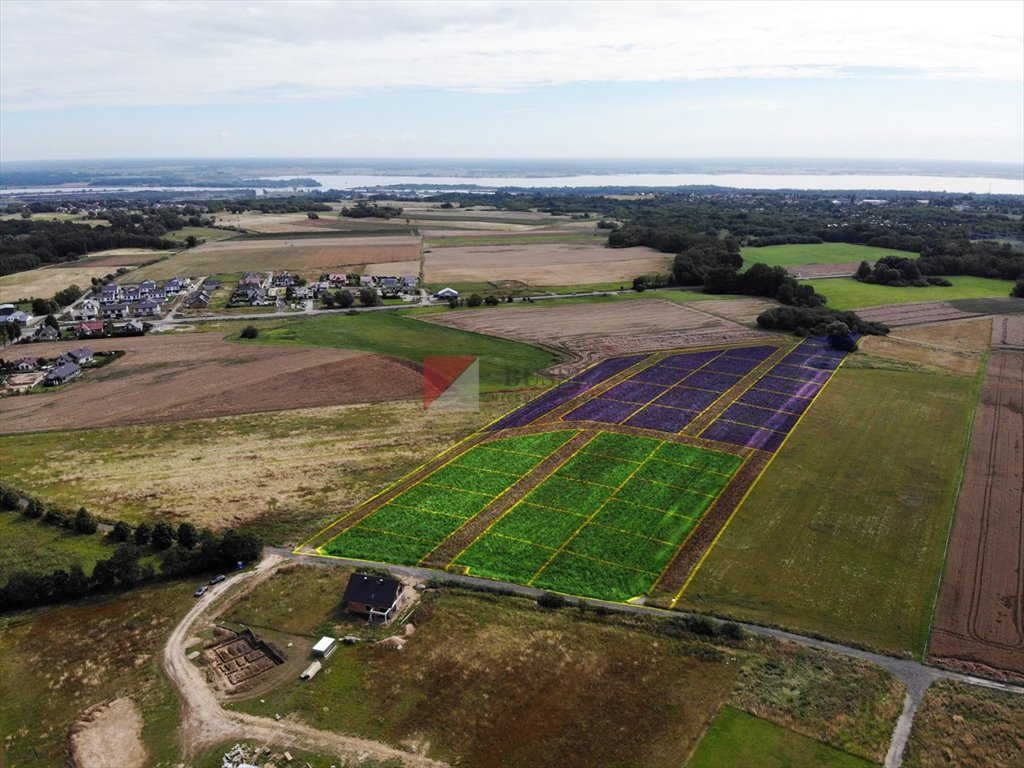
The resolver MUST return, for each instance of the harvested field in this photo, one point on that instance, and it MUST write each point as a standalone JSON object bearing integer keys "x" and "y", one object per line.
{"x": 979, "y": 619}
{"x": 742, "y": 311}
{"x": 302, "y": 255}
{"x": 588, "y": 332}
{"x": 1008, "y": 332}
{"x": 537, "y": 264}
{"x": 108, "y": 736}
{"x": 46, "y": 281}
{"x": 170, "y": 378}
{"x": 116, "y": 257}
{"x": 954, "y": 347}
{"x": 808, "y": 271}
{"x": 915, "y": 314}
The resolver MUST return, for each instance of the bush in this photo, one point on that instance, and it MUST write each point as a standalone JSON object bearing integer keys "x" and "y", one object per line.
{"x": 142, "y": 534}
{"x": 249, "y": 332}
{"x": 475, "y": 300}
{"x": 552, "y": 600}
{"x": 85, "y": 522}
{"x": 121, "y": 531}
{"x": 491, "y": 300}
{"x": 1017, "y": 291}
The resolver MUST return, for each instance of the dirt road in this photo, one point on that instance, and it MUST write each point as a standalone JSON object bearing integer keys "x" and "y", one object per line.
{"x": 205, "y": 723}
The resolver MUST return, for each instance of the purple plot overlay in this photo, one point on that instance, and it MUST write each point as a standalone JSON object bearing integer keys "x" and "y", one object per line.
{"x": 736, "y": 366}
{"x": 661, "y": 419}
{"x": 659, "y": 373}
{"x": 714, "y": 382}
{"x": 774, "y": 400}
{"x": 760, "y": 417}
{"x": 690, "y": 399}
{"x": 690, "y": 361}
{"x": 604, "y": 411}
{"x": 744, "y": 434}
{"x": 540, "y": 406}
{"x": 760, "y": 354}
{"x": 634, "y": 392}
{"x": 606, "y": 369}
{"x": 788, "y": 386}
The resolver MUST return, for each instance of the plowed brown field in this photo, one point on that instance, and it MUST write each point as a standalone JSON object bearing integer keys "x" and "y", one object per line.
{"x": 170, "y": 378}
{"x": 588, "y": 332}
{"x": 980, "y": 616}
{"x": 912, "y": 314}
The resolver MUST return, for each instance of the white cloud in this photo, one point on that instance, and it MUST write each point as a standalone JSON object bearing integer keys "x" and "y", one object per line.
{"x": 88, "y": 54}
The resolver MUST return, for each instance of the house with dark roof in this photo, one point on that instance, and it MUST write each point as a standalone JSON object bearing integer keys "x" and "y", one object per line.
{"x": 145, "y": 308}
{"x": 372, "y": 596}
{"x": 61, "y": 373}
{"x": 115, "y": 311}
{"x": 81, "y": 355}
{"x": 46, "y": 332}
{"x": 26, "y": 364}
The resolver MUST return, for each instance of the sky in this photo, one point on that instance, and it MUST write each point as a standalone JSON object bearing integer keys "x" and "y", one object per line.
{"x": 935, "y": 80}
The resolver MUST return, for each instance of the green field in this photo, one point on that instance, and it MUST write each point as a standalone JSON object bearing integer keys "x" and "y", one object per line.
{"x": 35, "y": 547}
{"x": 824, "y": 253}
{"x": 504, "y": 364}
{"x": 846, "y": 293}
{"x": 606, "y": 523}
{"x": 844, "y": 534}
{"x": 412, "y": 524}
{"x": 201, "y": 233}
{"x": 738, "y": 740}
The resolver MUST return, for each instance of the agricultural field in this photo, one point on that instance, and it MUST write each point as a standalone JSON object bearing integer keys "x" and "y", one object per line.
{"x": 504, "y": 364}
{"x": 164, "y": 378}
{"x": 918, "y": 313}
{"x": 200, "y": 233}
{"x": 601, "y": 510}
{"x": 116, "y": 257}
{"x": 479, "y": 671}
{"x": 819, "y": 259}
{"x": 978, "y": 618}
{"x": 586, "y": 332}
{"x": 305, "y": 255}
{"x": 42, "y": 283}
{"x": 851, "y": 518}
{"x": 846, "y": 293}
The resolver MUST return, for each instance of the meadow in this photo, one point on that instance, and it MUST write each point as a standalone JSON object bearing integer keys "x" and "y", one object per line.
{"x": 850, "y": 520}
{"x": 22, "y": 539}
{"x": 845, "y": 293}
{"x": 821, "y": 253}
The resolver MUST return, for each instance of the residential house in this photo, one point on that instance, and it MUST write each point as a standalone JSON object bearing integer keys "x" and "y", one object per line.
{"x": 46, "y": 332}
{"x": 61, "y": 373}
{"x": 132, "y": 326}
{"x": 198, "y": 300}
{"x": 410, "y": 284}
{"x": 373, "y": 596}
{"x": 145, "y": 308}
{"x": 92, "y": 328}
{"x": 389, "y": 286}
{"x": 115, "y": 311}
{"x": 447, "y": 293}
{"x": 21, "y": 318}
{"x": 87, "y": 310}
{"x": 284, "y": 280}
{"x": 250, "y": 278}
{"x": 82, "y": 355}
{"x": 26, "y": 364}
{"x": 211, "y": 284}
{"x": 175, "y": 286}
{"x": 146, "y": 287}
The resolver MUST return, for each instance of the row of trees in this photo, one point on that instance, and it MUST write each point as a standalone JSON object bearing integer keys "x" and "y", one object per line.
{"x": 343, "y": 298}
{"x": 366, "y": 209}
{"x": 896, "y": 271}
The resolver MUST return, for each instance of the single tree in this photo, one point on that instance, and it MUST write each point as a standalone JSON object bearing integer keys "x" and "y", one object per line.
{"x": 163, "y": 535}
{"x": 142, "y": 534}
{"x": 187, "y": 535}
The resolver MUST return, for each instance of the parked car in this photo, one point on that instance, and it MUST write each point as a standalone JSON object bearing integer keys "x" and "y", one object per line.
{"x": 218, "y": 579}
{"x": 201, "y": 591}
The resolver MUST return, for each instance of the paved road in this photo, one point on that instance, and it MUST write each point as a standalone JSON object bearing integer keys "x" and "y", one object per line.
{"x": 915, "y": 675}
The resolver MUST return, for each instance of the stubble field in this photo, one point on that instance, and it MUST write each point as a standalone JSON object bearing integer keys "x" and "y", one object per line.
{"x": 978, "y": 618}
{"x": 46, "y": 281}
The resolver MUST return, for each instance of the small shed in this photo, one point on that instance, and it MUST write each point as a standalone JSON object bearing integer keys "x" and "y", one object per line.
{"x": 324, "y": 647}
{"x": 372, "y": 596}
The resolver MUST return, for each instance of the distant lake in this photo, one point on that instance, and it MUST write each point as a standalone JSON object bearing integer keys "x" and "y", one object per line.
{"x": 978, "y": 185}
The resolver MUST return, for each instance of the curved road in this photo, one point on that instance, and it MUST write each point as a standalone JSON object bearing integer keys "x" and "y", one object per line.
{"x": 205, "y": 723}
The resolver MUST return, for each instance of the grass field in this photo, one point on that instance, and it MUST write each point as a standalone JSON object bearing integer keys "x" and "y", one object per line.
{"x": 324, "y": 460}
{"x": 23, "y": 540}
{"x": 481, "y": 670}
{"x": 503, "y": 364}
{"x": 56, "y": 662}
{"x": 846, "y": 293}
{"x": 201, "y": 233}
{"x": 844, "y": 534}
{"x": 738, "y": 740}
{"x": 823, "y": 253}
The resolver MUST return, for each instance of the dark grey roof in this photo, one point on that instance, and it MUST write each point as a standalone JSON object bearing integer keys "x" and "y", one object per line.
{"x": 372, "y": 591}
{"x": 63, "y": 372}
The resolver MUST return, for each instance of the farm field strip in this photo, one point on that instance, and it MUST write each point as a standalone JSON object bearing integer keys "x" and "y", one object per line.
{"x": 604, "y": 506}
